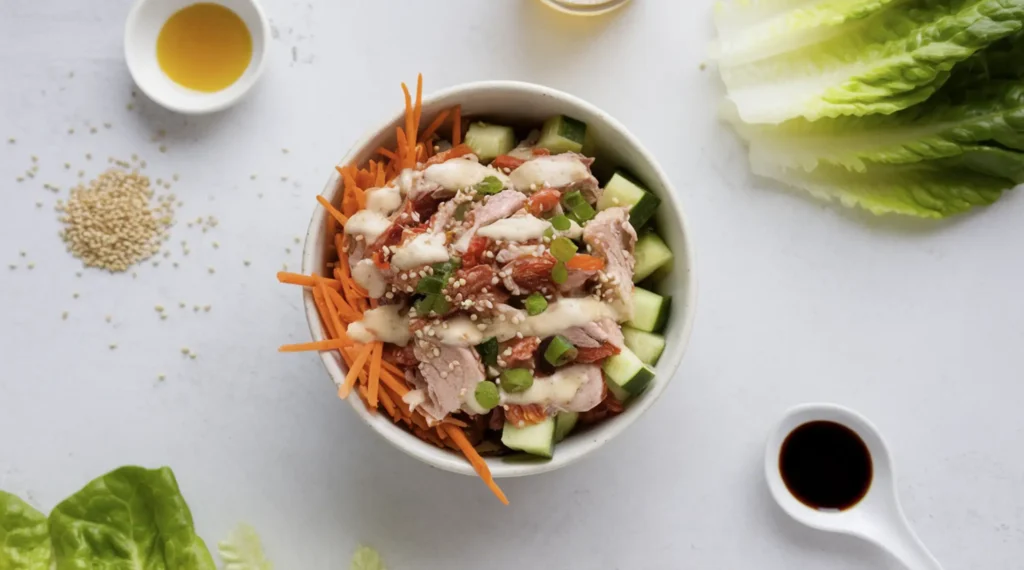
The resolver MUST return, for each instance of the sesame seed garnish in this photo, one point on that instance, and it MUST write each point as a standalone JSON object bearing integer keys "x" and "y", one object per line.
{"x": 64, "y": 316}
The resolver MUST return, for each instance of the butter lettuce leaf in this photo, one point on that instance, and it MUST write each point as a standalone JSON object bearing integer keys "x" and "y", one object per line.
{"x": 242, "y": 550}
{"x": 129, "y": 519}
{"x": 24, "y": 536}
{"x": 823, "y": 59}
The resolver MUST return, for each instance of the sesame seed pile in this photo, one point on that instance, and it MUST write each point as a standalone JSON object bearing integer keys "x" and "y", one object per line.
{"x": 114, "y": 223}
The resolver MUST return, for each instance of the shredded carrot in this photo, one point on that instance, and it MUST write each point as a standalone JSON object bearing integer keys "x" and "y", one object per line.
{"x": 457, "y": 125}
{"x": 375, "y": 359}
{"x": 475, "y": 460}
{"x": 354, "y": 370}
{"x": 332, "y": 310}
{"x": 306, "y": 280}
{"x": 340, "y": 301}
{"x": 333, "y": 344}
{"x": 387, "y": 153}
{"x": 395, "y": 382}
{"x": 410, "y": 134}
{"x": 389, "y": 404}
{"x": 342, "y": 218}
{"x": 438, "y": 121}
{"x": 418, "y": 108}
{"x": 321, "y": 307}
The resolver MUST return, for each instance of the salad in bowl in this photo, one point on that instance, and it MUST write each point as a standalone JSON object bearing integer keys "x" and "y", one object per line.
{"x": 485, "y": 290}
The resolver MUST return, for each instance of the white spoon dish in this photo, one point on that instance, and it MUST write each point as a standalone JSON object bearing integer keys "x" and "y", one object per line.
{"x": 874, "y": 514}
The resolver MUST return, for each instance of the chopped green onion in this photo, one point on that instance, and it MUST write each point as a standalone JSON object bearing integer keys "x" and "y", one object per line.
{"x": 583, "y": 212}
{"x": 573, "y": 199}
{"x": 486, "y": 394}
{"x": 431, "y": 284}
{"x": 563, "y": 249}
{"x": 489, "y": 185}
{"x": 560, "y": 351}
{"x": 549, "y": 233}
{"x": 488, "y": 351}
{"x": 441, "y": 305}
{"x": 559, "y": 273}
{"x": 424, "y": 305}
{"x": 461, "y": 209}
{"x": 516, "y": 380}
{"x": 432, "y": 302}
{"x": 536, "y": 304}
{"x": 561, "y": 223}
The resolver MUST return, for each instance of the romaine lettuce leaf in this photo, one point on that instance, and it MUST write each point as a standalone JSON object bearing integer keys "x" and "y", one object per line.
{"x": 987, "y": 120}
{"x": 242, "y": 550}
{"x": 131, "y": 518}
{"x": 930, "y": 189}
{"x": 366, "y": 558}
{"x": 852, "y": 57}
{"x": 24, "y": 536}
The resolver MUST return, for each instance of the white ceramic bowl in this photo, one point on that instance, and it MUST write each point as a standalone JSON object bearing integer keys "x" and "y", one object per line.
{"x": 515, "y": 102}
{"x": 144, "y": 23}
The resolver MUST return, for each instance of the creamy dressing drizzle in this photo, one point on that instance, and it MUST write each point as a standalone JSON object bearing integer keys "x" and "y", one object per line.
{"x": 424, "y": 249}
{"x": 367, "y": 223}
{"x": 559, "y": 316}
{"x": 460, "y": 173}
{"x": 384, "y": 200}
{"x": 549, "y": 171}
{"x": 388, "y": 323}
{"x": 369, "y": 277}
{"x": 558, "y": 389}
{"x": 414, "y": 398}
{"x": 517, "y": 229}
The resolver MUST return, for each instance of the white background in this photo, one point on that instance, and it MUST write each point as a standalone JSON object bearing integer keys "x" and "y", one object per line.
{"x": 917, "y": 325}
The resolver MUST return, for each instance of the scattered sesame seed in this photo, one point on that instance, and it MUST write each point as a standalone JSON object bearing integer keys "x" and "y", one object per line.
{"x": 207, "y": 308}
{"x": 160, "y": 377}
{"x": 71, "y": 131}
{"x": 64, "y": 316}
{"x": 162, "y": 148}
{"x": 113, "y": 346}
{"x": 185, "y": 350}
{"x": 210, "y": 270}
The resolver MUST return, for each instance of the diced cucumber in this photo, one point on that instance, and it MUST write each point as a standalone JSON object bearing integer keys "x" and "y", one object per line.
{"x": 650, "y": 310}
{"x": 627, "y": 372}
{"x": 651, "y": 254}
{"x": 620, "y": 394}
{"x": 621, "y": 190}
{"x": 645, "y": 345}
{"x": 562, "y": 134}
{"x": 489, "y": 141}
{"x": 564, "y": 422}
{"x": 536, "y": 439}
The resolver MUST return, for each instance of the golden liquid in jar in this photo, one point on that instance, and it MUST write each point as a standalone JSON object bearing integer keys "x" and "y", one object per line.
{"x": 204, "y": 46}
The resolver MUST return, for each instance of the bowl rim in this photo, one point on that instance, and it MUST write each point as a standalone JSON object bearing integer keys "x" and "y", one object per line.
{"x": 447, "y": 460}
{"x": 130, "y": 25}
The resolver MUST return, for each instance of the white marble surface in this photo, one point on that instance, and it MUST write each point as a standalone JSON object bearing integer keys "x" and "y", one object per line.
{"x": 919, "y": 326}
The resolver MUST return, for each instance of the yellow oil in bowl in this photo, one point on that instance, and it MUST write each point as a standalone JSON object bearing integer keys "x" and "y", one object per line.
{"x": 205, "y": 47}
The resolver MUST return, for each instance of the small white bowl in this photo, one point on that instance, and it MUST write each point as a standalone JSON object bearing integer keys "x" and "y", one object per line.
{"x": 526, "y": 103}
{"x": 147, "y": 18}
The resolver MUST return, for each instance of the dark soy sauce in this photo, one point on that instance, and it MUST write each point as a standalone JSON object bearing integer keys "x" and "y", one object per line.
{"x": 825, "y": 465}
